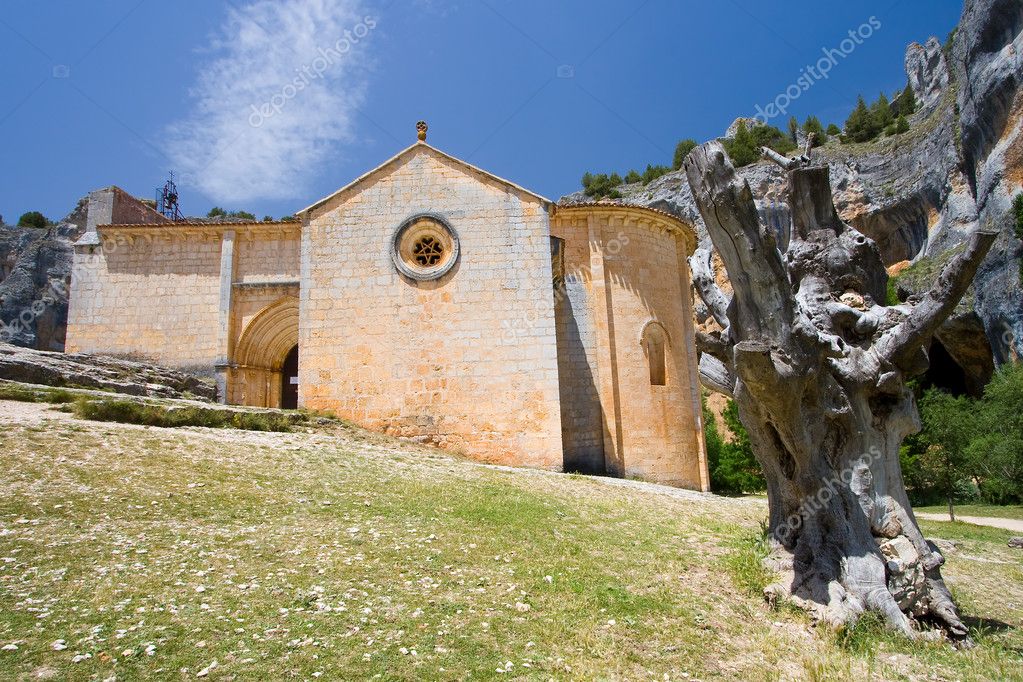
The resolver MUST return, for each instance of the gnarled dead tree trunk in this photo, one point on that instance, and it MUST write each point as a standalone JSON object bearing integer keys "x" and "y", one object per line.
{"x": 818, "y": 366}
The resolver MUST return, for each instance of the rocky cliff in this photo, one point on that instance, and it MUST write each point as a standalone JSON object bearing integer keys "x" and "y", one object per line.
{"x": 35, "y": 276}
{"x": 920, "y": 193}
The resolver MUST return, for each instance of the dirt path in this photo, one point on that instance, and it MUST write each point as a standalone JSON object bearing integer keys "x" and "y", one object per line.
{"x": 1014, "y": 525}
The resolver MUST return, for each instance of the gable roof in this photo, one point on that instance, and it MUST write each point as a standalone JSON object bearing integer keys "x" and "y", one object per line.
{"x": 409, "y": 151}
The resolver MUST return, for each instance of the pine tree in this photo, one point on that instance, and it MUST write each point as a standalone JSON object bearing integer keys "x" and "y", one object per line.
{"x": 881, "y": 112}
{"x": 33, "y": 219}
{"x": 860, "y": 126}
{"x": 633, "y": 177}
{"x": 653, "y": 172}
{"x": 742, "y": 149}
{"x": 812, "y": 126}
{"x": 682, "y": 150}
{"x": 905, "y": 103}
{"x": 794, "y": 130}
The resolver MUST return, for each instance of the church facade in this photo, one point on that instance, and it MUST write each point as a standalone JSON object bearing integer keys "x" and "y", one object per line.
{"x": 430, "y": 300}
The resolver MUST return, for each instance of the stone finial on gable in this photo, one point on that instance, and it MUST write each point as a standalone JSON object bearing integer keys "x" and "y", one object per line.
{"x": 421, "y": 128}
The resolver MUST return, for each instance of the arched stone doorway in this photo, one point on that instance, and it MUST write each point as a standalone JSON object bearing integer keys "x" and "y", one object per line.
{"x": 289, "y": 381}
{"x": 266, "y": 346}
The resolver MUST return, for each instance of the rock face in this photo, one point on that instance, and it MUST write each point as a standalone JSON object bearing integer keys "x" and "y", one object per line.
{"x": 988, "y": 58}
{"x": 928, "y": 72}
{"x": 35, "y": 266}
{"x": 918, "y": 195}
{"x": 88, "y": 371}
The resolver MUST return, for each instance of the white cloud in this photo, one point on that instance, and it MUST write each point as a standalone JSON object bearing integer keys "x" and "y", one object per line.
{"x": 276, "y": 96}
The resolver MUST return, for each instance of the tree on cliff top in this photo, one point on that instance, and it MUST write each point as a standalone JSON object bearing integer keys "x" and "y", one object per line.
{"x": 33, "y": 219}
{"x": 818, "y": 366}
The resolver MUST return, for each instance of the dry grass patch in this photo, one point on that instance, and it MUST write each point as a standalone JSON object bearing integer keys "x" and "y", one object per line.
{"x": 155, "y": 552}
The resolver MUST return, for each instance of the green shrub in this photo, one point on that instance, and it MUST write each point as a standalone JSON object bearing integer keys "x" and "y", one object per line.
{"x": 996, "y": 450}
{"x": 892, "y": 293}
{"x": 741, "y": 148}
{"x": 653, "y": 172}
{"x": 33, "y": 219}
{"x": 744, "y": 148}
{"x": 601, "y": 185}
{"x": 969, "y": 448}
{"x": 1017, "y": 210}
{"x": 131, "y": 412}
{"x": 632, "y": 177}
{"x": 682, "y": 150}
{"x": 794, "y": 130}
{"x": 24, "y": 394}
{"x": 218, "y": 212}
{"x": 18, "y": 394}
{"x": 834, "y": 130}
{"x": 865, "y": 123}
{"x": 733, "y": 467}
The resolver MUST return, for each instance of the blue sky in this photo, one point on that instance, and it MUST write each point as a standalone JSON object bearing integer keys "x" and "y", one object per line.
{"x": 268, "y": 105}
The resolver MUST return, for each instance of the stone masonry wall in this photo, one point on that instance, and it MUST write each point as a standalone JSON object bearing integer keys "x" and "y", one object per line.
{"x": 582, "y": 425}
{"x": 637, "y": 276}
{"x": 153, "y": 297}
{"x": 469, "y": 361}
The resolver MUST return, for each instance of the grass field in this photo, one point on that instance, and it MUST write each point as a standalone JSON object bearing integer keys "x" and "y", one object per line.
{"x": 991, "y": 510}
{"x": 156, "y": 553}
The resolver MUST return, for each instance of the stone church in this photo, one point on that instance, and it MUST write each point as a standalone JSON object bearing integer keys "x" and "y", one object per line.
{"x": 427, "y": 299}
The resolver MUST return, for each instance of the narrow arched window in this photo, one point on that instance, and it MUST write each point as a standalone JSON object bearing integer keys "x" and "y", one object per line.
{"x": 653, "y": 343}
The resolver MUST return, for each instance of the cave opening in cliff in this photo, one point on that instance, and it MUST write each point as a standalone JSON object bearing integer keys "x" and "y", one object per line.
{"x": 944, "y": 373}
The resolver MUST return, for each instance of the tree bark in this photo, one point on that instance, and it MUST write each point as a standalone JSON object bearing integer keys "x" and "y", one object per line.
{"x": 818, "y": 367}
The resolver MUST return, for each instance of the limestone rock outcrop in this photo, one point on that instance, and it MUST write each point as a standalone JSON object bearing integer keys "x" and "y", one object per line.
{"x": 90, "y": 371}
{"x": 928, "y": 72}
{"x": 918, "y": 195}
{"x": 35, "y": 275}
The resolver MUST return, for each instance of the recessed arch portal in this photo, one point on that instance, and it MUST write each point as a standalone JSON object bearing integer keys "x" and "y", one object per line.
{"x": 262, "y": 351}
